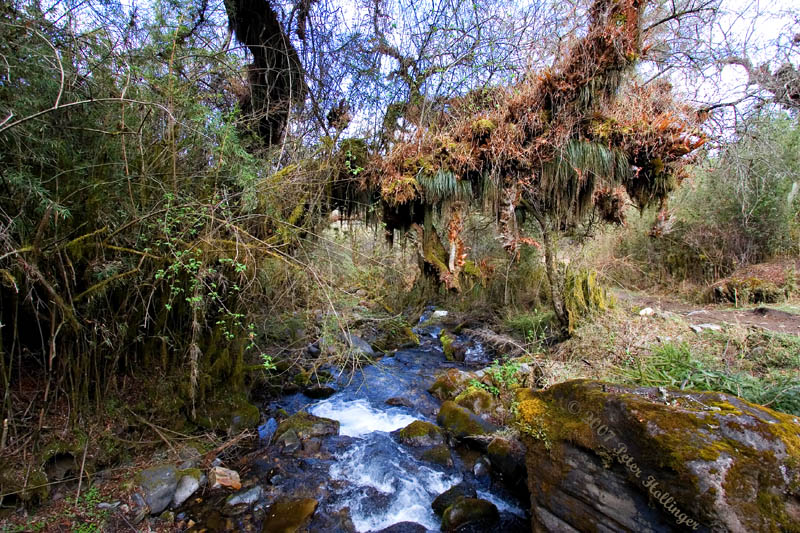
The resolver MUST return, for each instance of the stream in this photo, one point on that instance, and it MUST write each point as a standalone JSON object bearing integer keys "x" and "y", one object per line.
{"x": 362, "y": 478}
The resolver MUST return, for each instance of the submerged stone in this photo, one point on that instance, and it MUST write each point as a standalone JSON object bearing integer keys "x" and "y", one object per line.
{"x": 461, "y": 422}
{"x": 289, "y": 515}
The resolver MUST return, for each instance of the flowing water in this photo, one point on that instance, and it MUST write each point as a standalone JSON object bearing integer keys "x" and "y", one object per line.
{"x": 364, "y": 470}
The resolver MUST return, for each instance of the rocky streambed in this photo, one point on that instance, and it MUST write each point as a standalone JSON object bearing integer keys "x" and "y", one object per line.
{"x": 370, "y": 457}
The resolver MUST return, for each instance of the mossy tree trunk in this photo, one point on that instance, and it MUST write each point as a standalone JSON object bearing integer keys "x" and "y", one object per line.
{"x": 554, "y": 277}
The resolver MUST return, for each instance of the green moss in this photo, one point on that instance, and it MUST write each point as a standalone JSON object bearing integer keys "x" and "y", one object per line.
{"x": 449, "y": 384}
{"x": 196, "y": 473}
{"x": 483, "y": 126}
{"x": 447, "y": 346}
{"x": 583, "y": 296}
{"x": 419, "y": 433}
{"x": 439, "y": 455}
{"x": 459, "y": 421}
{"x": 476, "y": 400}
{"x": 306, "y": 425}
{"x": 419, "y": 428}
{"x": 676, "y": 437}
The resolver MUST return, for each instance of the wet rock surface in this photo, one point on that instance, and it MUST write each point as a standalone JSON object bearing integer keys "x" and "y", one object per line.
{"x": 477, "y": 514}
{"x": 648, "y": 459}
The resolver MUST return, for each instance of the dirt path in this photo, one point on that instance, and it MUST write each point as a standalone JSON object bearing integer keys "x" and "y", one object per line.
{"x": 763, "y": 317}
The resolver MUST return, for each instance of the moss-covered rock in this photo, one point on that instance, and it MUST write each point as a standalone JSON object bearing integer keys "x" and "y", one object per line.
{"x": 419, "y": 434}
{"x": 665, "y": 459}
{"x": 479, "y": 514}
{"x": 477, "y": 400}
{"x": 439, "y": 455}
{"x": 233, "y": 415}
{"x": 306, "y": 426}
{"x": 449, "y": 384}
{"x": 447, "y": 345}
{"x": 451, "y": 496}
{"x": 461, "y": 422}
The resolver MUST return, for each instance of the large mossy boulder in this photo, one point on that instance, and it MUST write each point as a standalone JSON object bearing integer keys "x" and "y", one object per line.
{"x": 306, "y": 426}
{"x": 481, "y": 515}
{"x": 450, "y": 384}
{"x": 460, "y": 422}
{"x": 419, "y": 434}
{"x": 608, "y": 457}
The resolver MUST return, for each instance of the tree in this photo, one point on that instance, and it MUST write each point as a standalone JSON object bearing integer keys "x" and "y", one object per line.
{"x": 555, "y": 146}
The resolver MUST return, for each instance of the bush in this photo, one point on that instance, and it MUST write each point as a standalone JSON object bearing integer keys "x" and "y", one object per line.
{"x": 741, "y": 207}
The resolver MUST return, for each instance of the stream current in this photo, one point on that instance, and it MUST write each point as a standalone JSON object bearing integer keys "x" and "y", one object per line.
{"x": 379, "y": 480}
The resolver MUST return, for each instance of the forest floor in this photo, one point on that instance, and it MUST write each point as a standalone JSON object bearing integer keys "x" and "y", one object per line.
{"x": 780, "y": 318}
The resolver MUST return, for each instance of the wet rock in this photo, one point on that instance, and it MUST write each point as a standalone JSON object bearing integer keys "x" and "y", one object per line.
{"x": 313, "y": 349}
{"x": 477, "y": 400}
{"x": 399, "y": 401}
{"x": 312, "y": 446}
{"x": 247, "y": 497}
{"x": 508, "y": 459}
{"x": 288, "y": 515}
{"x": 460, "y": 351}
{"x": 624, "y": 459}
{"x": 419, "y": 434}
{"x": 319, "y": 392}
{"x": 482, "y": 469}
{"x": 439, "y": 455}
{"x": 187, "y": 485}
{"x": 158, "y": 485}
{"x": 480, "y": 515}
{"x": 223, "y": 477}
{"x": 306, "y": 425}
{"x": 511, "y": 523}
{"x": 267, "y": 430}
{"x": 289, "y": 441}
{"x": 451, "y": 495}
{"x": 403, "y": 527}
{"x": 460, "y": 422}
{"x": 449, "y": 384}
{"x": 332, "y": 522}
{"x": 360, "y": 345}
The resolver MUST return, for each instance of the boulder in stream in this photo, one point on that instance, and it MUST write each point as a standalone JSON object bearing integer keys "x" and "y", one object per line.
{"x": 477, "y": 514}
{"x": 306, "y": 425}
{"x": 451, "y": 495}
{"x": 461, "y": 422}
{"x": 419, "y": 434}
{"x": 652, "y": 459}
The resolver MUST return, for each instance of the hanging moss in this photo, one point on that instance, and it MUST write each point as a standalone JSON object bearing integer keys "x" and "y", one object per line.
{"x": 583, "y": 296}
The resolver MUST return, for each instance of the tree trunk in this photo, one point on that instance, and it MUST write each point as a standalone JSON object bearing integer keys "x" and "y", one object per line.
{"x": 553, "y": 277}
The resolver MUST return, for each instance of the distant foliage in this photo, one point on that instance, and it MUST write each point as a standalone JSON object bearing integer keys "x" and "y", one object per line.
{"x": 741, "y": 207}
